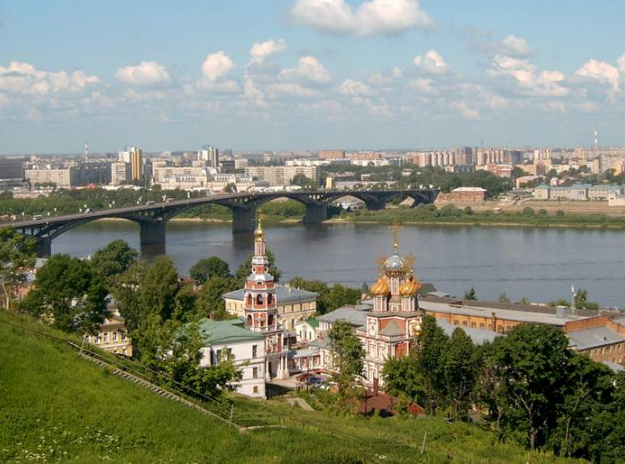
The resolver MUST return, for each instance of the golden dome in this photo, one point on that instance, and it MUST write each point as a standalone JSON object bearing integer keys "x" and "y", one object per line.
{"x": 258, "y": 233}
{"x": 410, "y": 287}
{"x": 380, "y": 288}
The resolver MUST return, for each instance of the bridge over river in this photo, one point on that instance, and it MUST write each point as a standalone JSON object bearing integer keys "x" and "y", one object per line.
{"x": 153, "y": 218}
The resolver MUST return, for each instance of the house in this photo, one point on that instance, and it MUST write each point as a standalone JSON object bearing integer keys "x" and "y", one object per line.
{"x": 294, "y": 305}
{"x": 112, "y": 335}
{"x": 307, "y": 330}
{"x": 246, "y": 348}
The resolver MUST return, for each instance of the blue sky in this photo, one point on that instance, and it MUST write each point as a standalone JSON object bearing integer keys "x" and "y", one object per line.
{"x": 309, "y": 74}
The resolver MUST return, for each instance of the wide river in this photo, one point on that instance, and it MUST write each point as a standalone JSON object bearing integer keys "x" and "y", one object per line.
{"x": 540, "y": 264}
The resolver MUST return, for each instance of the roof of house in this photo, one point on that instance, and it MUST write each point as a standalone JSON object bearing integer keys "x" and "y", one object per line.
{"x": 592, "y": 338}
{"x": 284, "y": 294}
{"x": 226, "y": 332}
{"x": 313, "y": 322}
{"x": 478, "y": 336}
{"x": 469, "y": 189}
{"x": 354, "y": 315}
{"x": 616, "y": 368}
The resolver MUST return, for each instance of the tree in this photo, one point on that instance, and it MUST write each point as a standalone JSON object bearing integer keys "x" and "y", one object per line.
{"x": 503, "y": 298}
{"x": 69, "y": 293}
{"x": 581, "y": 300}
{"x": 159, "y": 287}
{"x": 430, "y": 345}
{"x": 126, "y": 289}
{"x": 402, "y": 377}
{"x": 207, "y": 268}
{"x": 347, "y": 356}
{"x": 458, "y": 373}
{"x": 245, "y": 269}
{"x": 470, "y": 294}
{"x": 328, "y": 298}
{"x": 303, "y": 181}
{"x": 530, "y": 380}
{"x": 114, "y": 259}
{"x": 210, "y": 301}
{"x": 17, "y": 256}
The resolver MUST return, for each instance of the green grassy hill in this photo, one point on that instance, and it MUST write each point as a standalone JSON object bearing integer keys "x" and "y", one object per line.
{"x": 57, "y": 407}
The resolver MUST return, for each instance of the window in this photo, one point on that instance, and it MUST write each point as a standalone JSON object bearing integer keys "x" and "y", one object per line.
{"x": 464, "y": 323}
{"x": 255, "y": 372}
{"x": 255, "y": 389}
{"x": 115, "y": 336}
{"x": 123, "y": 335}
{"x": 106, "y": 337}
{"x": 254, "y": 351}
{"x": 481, "y": 325}
{"x": 473, "y": 325}
{"x": 259, "y": 299}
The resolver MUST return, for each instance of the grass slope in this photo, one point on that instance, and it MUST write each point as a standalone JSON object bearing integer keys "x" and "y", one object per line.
{"x": 56, "y": 407}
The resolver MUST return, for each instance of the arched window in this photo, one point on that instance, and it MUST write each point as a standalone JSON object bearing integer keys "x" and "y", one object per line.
{"x": 259, "y": 299}
{"x": 270, "y": 299}
{"x": 249, "y": 299}
{"x": 249, "y": 319}
{"x": 270, "y": 320}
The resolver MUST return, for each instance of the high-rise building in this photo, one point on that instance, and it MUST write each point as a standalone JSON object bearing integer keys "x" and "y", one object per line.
{"x": 136, "y": 164}
{"x": 120, "y": 173}
{"x": 209, "y": 154}
{"x": 12, "y": 168}
{"x": 283, "y": 175}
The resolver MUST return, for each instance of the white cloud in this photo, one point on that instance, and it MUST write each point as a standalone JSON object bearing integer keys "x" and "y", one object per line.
{"x": 516, "y": 46}
{"x": 372, "y": 17}
{"x": 379, "y": 79}
{"x": 260, "y": 51}
{"x": 621, "y": 64}
{"x": 432, "y": 62}
{"x": 465, "y": 111}
{"x": 309, "y": 69}
{"x": 353, "y": 87}
{"x": 545, "y": 83}
{"x": 24, "y": 78}
{"x": 146, "y": 74}
{"x": 217, "y": 65}
{"x": 290, "y": 89}
{"x": 600, "y": 71}
{"x": 424, "y": 86}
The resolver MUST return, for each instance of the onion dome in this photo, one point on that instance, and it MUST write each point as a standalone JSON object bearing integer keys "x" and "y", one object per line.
{"x": 410, "y": 287}
{"x": 380, "y": 288}
{"x": 394, "y": 263}
{"x": 259, "y": 234}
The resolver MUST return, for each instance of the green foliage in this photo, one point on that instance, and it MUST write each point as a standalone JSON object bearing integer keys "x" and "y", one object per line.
{"x": 69, "y": 294}
{"x": 430, "y": 346}
{"x": 530, "y": 380}
{"x": 207, "y": 268}
{"x": 113, "y": 259}
{"x": 581, "y": 300}
{"x": 458, "y": 373}
{"x": 304, "y": 182}
{"x": 209, "y": 299}
{"x": 503, "y": 298}
{"x": 17, "y": 255}
{"x": 159, "y": 287}
{"x": 470, "y": 294}
{"x": 402, "y": 376}
{"x": 329, "y": 298}
{"x": 347, "y": 356}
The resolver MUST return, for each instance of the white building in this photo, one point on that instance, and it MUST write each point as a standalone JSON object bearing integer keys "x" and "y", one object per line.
{"x": 246, "y": 348}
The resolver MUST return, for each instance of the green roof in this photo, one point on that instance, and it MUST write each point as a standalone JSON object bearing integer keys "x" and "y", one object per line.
{"x": 313, "y": 322}
{"x": 226, "y": 332}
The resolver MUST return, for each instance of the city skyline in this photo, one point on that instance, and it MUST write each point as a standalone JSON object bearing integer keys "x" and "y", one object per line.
{"x": 309, "y": 74}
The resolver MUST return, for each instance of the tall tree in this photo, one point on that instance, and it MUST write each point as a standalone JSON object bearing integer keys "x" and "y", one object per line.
{"x": 209, "y": 299}
{"x": 17, "y": 256}
{"x": 126, "y": 289}
{"x": 69, "y": 293}
{"x": 402, "y": 376}
{"x": 114, "y": 259}
{"x": 470, "y": 294}
{"x": 531, "y": 380}
{"x": 159, "y": 287}
{"x": 458, "y": 371}
{"x": 347, "y": 356}
{"x": 430, "y": 346}
{"x": 208, "y": 268}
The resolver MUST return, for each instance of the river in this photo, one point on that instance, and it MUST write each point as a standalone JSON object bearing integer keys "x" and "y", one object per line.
{"x": 540, "y": 264}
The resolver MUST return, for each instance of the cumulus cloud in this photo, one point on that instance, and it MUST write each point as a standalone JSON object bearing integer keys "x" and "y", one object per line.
{"x": 354, "y": 87}
{"x": 465, "y": 111}
{"x": 308, "y": 69}
{"x": 146, "y": 74}
{"x": 24, "y": 78}
{"x": 261, "y": 51}
{"x": 432, "y": 62}
{"x": 601, "y": 72}
{"x": 528, "y": 80}
{"x": 516, "y": 46}
{"x": 217, "y": 65}
{"x": 423, "y": 86}
{"x": 380, "y": 79}
{"x": 374, "y": 17}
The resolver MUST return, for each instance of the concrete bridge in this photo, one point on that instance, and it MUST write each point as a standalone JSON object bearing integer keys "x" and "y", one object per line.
{"x": 153, "y": 218}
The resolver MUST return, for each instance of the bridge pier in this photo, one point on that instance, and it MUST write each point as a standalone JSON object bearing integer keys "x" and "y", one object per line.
{"x": 152, "y": 233}
{"x": 316, "y": 213}
{"x": 44, "y": 247}
{"x": 243, "y": 219}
